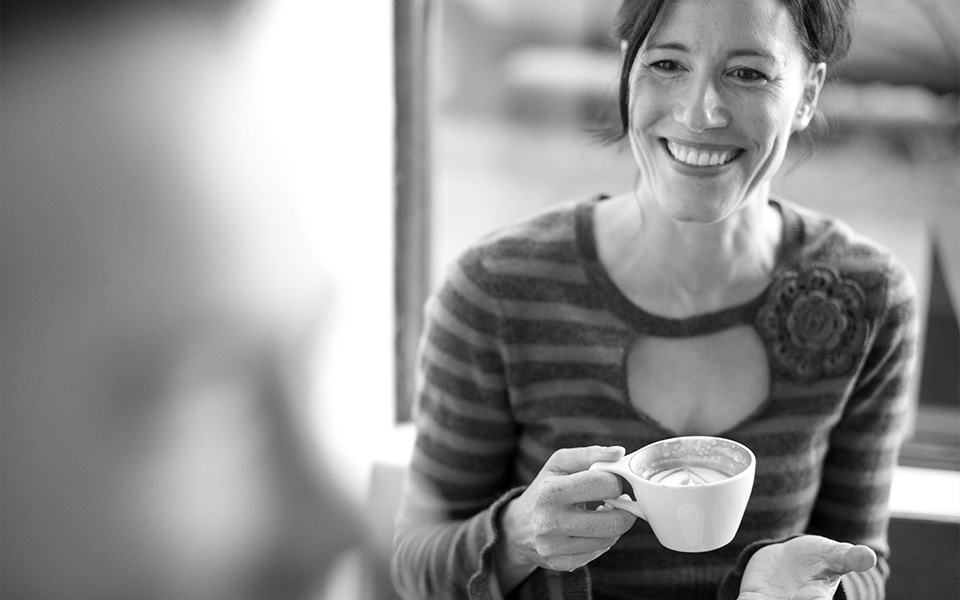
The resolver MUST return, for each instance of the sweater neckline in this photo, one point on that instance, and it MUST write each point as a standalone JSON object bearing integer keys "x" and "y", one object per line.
{"x": 654, "y": 324}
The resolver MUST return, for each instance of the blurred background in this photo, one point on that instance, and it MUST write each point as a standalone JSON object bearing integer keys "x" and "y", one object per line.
{"x": 220, "y": 219}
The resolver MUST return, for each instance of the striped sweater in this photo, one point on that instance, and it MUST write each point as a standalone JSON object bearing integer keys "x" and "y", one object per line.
{"x": 524, "y": 353}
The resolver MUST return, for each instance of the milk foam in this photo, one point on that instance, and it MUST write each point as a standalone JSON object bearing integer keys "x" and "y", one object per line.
{"x": 687, "y": 475}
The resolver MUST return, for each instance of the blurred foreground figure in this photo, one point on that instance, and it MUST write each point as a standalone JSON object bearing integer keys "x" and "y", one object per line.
{"x": 158, "y": 321}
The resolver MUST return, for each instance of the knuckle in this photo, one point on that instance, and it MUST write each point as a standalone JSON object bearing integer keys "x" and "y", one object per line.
{"x": 545, "y": 526}
{"x": 560, "y": 459}
{"x": 540, "y": 525}
{"x": 549, "y": 493}
{"x": 543, "y": 548}
{"x": 607, "y": 485}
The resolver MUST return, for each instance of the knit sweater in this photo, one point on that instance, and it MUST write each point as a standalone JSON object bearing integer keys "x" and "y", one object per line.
{"x": 524, "y": 353}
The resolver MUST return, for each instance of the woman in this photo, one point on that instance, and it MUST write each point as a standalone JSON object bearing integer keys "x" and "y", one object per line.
{"x": 694, "y": 304}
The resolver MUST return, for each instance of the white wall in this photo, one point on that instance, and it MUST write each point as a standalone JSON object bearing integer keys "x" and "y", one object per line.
{"x": 326, "y": 75}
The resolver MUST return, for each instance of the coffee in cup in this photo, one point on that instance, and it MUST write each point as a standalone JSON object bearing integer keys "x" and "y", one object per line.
{"x": 692, "y": 490}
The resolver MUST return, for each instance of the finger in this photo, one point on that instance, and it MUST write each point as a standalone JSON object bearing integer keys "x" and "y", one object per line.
{"x": 570, "y": 545}
{"x": 845, "y": 558}
{"x": 588, "y": 486}
{"x": 594, "y": 524}
{"x": 860, "y": 558}
{"x": 569, "y": 562}
{"x": 574, "y": 460}
{"x": 624, "y": 504}
{"x": 586, "y": 545}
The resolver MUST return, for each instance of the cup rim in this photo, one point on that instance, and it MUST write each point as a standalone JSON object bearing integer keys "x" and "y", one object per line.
{"x": 742, "y": 474}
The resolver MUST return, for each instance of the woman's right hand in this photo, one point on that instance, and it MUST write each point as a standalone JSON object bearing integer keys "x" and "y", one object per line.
{"x": 548, "y": 525}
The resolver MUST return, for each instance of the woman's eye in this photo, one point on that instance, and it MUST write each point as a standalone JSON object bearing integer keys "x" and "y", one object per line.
{"x": 747, "y": 74}
{"x": 666, "y": 66}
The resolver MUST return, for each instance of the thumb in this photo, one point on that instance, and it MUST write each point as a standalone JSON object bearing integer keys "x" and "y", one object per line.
{"x": 573, "y": 460}
{"x": 845, "y": 558}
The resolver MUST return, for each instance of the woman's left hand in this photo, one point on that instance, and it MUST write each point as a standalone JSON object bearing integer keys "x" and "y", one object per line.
{"x": 808, "y": 567}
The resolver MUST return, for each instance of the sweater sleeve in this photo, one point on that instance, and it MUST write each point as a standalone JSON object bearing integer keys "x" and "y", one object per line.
{"x": 852, "y": 504}
{"x": 462, "y": 462}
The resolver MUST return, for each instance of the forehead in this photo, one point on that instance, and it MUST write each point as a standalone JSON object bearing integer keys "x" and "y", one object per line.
{"x": 724, "y": 25}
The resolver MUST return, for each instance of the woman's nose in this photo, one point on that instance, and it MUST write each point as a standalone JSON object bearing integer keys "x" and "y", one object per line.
{"x": 701, "y": 107}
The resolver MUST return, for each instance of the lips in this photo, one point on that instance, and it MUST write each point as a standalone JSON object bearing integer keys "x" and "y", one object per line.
{"x": 701, "y": 155}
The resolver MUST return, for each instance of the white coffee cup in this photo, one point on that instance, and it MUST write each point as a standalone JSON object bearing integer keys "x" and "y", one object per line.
{"x": 692, "y": 490}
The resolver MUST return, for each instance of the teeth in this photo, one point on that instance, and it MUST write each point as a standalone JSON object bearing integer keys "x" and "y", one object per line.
{"x": 699, "y": 158}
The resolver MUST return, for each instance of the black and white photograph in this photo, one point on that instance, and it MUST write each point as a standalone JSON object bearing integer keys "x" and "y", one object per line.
{"x": 480, "y": 300}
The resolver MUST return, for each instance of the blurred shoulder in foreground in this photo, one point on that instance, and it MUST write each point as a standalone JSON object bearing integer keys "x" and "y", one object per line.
{"x": 161, "y": 321}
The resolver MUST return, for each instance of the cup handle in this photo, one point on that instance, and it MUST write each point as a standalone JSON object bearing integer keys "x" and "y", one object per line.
{"x": 631, "y": 506}
{"x": 623, "y": 503}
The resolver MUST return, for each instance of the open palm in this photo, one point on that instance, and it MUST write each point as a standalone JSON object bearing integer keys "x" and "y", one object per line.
{"x": 808, "y": 567}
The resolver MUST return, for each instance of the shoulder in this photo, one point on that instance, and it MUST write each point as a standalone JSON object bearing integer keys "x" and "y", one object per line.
{"x": 534, "y": 235}
{"x": 831, "y": 243}
{"x": 542, "y": 246}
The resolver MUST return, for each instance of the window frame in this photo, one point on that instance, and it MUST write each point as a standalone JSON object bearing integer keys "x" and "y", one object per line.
{"x": 415, "y": 31}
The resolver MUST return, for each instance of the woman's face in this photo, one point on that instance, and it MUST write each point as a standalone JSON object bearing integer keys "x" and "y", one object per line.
{"x": 716, "y": 91}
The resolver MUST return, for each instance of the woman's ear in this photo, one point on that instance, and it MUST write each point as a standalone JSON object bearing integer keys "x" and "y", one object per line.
{"x": 813, "y": 83}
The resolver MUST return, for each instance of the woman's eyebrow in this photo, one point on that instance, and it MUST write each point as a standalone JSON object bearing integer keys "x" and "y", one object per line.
{"x": 751, "y": 52}
{"x": 737, "y": 53}
{"x": 670, "y": 46}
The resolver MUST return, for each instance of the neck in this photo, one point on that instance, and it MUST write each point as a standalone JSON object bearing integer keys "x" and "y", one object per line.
{"x": 679, "y": 268}
{"x": 706, "y": 255}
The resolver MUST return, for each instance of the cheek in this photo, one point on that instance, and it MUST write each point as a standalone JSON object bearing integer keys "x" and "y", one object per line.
{"x": 639, "y": 132}
{"x": 768, "y": 123}
{"x": 649, "y": 102}
{"x": 772, "y": 110}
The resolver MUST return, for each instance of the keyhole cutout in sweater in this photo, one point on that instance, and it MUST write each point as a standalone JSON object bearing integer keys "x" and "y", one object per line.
{"x": 701, "y": 385}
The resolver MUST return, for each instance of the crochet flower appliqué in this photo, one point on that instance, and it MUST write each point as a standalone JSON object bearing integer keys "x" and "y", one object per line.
{"x": 813, "y": 322}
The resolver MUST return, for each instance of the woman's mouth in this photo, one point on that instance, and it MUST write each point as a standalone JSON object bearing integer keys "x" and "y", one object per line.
{"x": 700, "y": 156}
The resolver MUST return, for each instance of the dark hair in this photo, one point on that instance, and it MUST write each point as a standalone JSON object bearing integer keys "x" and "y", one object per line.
{"x": 823, "y": 27}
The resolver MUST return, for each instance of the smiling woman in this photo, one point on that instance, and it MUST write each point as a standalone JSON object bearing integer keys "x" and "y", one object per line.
{"x": 716, "y": 92}
{"x": 696, "y": 302}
